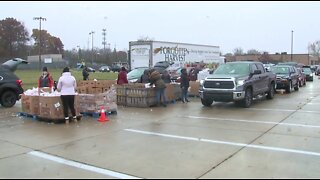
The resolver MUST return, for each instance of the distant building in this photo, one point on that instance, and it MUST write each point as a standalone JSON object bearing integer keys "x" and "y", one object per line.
{"x": 49, "y": 60}
{"x": 306, "y": 59}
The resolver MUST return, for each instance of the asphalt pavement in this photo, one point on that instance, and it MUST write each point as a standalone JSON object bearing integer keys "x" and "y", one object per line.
{"x": 277, "y": 138}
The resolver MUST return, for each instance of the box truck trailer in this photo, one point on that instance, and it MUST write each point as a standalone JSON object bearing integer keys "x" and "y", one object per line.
{"x": 148, "y": 53}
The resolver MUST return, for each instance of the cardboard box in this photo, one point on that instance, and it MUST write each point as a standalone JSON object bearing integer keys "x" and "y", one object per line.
{"x": 194, "y": 88}
{"x": 25, "y": 104}
{"x": 34, "y": 105}
{"x": 51, "y": 107}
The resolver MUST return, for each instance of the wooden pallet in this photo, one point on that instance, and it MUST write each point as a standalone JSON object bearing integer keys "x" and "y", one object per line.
{"x": 57, "y": 121}
{"x": 34, "y": 117}
{"x": 97, "y": 114}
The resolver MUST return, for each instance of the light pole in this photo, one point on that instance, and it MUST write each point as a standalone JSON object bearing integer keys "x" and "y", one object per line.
{"x": 91, "y": 33}
{"x": 78, "y": 53}
{"x": 291, "y": 43}
{"x": 40, "y": 19}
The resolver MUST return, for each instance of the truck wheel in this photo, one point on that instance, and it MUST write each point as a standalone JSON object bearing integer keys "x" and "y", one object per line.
{"x": 8, "y": 99}
{"x": 247, "y": 101}
{"x": 207, "y": 102}
{"x": 271, "y": 91}
{"x": 296, "y": 88}
{"x": 288, "y": 89}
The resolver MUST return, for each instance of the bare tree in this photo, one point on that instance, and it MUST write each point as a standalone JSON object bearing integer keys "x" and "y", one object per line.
{"x": 314, "y": 49}
{"x": 238, "y": 51}
{"x": 253, "y": 52}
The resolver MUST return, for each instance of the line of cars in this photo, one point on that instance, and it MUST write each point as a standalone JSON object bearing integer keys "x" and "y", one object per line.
{"x": 241, "y": 82}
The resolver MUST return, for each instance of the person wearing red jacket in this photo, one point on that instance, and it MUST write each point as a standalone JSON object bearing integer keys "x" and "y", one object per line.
{"x": 122, "y": 76}
{"x": 45, "y": 80}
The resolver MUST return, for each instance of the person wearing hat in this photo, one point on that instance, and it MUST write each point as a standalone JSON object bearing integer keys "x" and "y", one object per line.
{"x": 45, "y": 80}
{"x": 67, "y": 86}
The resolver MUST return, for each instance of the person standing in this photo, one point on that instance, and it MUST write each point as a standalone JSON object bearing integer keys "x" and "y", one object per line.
{"x": 145, "y": 77}
{"x": 85, "y": 73}
{"x": 122, "y": 76}
{"x": 184, "y": 85}
{"x": 166, "y": 77}
{"x": 67, "y": 85}
{"x": 155, "y": 78}
{"x": 45, "y": 80}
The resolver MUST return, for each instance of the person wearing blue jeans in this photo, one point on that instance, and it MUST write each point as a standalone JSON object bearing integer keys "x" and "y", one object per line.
{"x": 155, "y": 78}
{"x": 184, "y": 85}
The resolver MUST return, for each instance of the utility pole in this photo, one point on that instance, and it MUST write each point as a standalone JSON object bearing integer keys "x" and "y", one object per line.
{"x": 291, "y": 44}
{"x": 104, "y": 42}
{"x": 40, "y": 19}
{"x": 91, "y": 33}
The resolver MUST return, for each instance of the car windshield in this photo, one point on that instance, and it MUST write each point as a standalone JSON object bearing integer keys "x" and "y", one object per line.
{"x": 136, "y": 73}
{"x": 307, "y": 70}
{"x": 280, "y": 70}
{"x": 233, "y": 68}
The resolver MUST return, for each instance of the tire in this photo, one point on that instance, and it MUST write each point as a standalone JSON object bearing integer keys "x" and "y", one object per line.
{"x": 288, "y": 89}
{"x": 207, "y": 102}
{"x": 8, "y": 99}
{"x": 296, "y": 88}
{"x": 271, "y": 92}
{"x": 247, "y": 101}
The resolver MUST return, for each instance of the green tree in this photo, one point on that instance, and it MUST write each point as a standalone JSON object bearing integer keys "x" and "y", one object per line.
{"x": 13, "y": 38}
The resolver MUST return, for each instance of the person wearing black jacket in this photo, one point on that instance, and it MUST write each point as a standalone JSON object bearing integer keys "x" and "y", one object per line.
{"x": 85, "y": 73}
{"x": 184, "y": 85}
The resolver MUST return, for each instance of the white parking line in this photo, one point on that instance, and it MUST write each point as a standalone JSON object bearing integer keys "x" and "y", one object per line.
{"x": 249, "y": 121}
{"x": 284, "y": 110}
{"x": 81, "y": 166}
{"x": 227, "y": 143}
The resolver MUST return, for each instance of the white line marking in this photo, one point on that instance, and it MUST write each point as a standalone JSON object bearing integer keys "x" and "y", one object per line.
{"x": 81, "y": 166}
{"x": 248, "y": 121}
{"x": 284, "y": 110}
{"x": 227, "y": 143}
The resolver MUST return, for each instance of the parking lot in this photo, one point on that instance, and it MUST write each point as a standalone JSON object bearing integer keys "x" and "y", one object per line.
{"x": 276, "y": 138}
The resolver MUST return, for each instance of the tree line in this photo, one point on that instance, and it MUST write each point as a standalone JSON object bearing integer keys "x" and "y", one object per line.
{"x": 15, "y": 41}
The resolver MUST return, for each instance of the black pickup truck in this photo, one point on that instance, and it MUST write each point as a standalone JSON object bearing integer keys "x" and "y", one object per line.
{"x": 239, "y": 82}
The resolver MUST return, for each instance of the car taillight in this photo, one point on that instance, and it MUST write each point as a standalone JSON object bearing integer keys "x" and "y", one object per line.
{"x": 19, "y": 82}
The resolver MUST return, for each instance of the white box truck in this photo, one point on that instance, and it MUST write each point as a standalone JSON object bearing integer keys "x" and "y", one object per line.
{"x": 148, "y": 53}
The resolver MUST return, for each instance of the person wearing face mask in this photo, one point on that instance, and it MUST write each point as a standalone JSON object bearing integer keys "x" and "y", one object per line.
{"x": 45, "y": 80}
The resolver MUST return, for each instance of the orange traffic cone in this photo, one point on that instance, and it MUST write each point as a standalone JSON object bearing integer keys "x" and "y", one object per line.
{"x": 103, "y": 117}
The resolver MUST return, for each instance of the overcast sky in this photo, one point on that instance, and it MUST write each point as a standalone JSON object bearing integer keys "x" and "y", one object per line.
{"x": 265, "y": 26}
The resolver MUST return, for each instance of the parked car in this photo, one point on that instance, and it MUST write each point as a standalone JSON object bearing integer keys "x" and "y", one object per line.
{"x": 308, "y": 72}
{"x": 287, "y": 77}
{"x": 10, "y": 84}
{"x": 90, "y": 69}
{"x": 162, "y": 66}
{"x": 317, "y": 72}
{"x": 104, "y": 69}
{"x": 302, "y": 77}
{"x": 135, "y": 75}
{"x": 239, "y": 82}
{"x": 115, "y": 68}
{"x": 314, "y": 68}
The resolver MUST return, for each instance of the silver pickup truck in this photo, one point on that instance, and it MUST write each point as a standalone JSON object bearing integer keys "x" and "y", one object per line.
{"x": 239, "y": 82}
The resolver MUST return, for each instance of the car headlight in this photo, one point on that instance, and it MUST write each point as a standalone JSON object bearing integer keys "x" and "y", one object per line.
{"x": 201, "y": 82}
{"x": 240, "y": 82}
{"x": 311, "y": 75}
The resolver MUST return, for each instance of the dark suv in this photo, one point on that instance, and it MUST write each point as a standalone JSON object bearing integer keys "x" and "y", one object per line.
{"x": 287, "y": 77}
{"x": 10, "y": 84}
